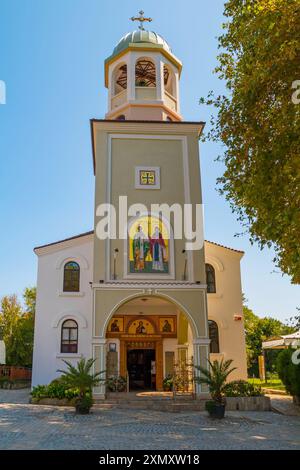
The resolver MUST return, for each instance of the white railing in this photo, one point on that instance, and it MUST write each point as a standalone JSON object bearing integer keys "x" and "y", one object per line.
{"x": 145, "y": 93}
{"x": 118, "y": 99}
{"x": 170, "y": 101}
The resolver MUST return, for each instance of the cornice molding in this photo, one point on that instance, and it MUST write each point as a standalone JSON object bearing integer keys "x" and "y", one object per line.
{"x": 146, "y": 285}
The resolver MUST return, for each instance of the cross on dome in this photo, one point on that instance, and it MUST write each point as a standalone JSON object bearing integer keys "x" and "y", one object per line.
{"x": 141, "y": 19}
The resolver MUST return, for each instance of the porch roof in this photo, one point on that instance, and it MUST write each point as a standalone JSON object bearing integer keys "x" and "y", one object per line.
{"x": 282, "y": 342}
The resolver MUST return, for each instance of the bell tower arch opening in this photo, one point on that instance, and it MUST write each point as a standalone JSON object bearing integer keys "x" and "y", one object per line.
{"x": 119, "y": 78}
{"x": 145, "y": 73}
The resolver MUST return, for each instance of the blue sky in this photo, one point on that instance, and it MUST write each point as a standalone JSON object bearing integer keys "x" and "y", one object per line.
{"x": 51, "y": 59}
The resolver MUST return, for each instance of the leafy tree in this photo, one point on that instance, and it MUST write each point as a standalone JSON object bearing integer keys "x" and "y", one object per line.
{"x": 258, "y": 330}
{"x": 289, "y": 372}
{"x": 18, "y": 327}
{"x": 295, "y": 320}
{"x": 26, "y": 325}
{"x": 11, "y": 312}
{"x": 259, "y": 123}
{"x": 30, "y": 300}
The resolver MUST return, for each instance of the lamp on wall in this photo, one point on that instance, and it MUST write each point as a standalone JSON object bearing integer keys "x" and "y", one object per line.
{"x": 237, "y": 317}
{"x": 116, "y": 251}
{"x": 185, "y": 265}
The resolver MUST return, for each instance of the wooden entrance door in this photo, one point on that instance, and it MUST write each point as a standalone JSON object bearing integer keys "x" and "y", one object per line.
{"x": 133, "y": 344}
{"x": 141, "y": 370}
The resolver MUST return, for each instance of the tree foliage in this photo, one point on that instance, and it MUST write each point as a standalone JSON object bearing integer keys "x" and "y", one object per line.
{"x": 258, "y": 330}
{"x": 259, "y": 123}
{"x": 289, "y": 372}
{"x": 17, "y": 325}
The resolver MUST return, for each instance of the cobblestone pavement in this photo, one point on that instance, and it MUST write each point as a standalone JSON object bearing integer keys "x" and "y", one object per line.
{"x": 24, "y": 426}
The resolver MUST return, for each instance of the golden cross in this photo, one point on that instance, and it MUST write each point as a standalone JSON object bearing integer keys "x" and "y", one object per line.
{"x": 141, "y": 19}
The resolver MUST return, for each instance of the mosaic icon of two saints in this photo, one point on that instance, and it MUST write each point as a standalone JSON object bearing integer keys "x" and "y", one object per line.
{"x": 149, "y": 246}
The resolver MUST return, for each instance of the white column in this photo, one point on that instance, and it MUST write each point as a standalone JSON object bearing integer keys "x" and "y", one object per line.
{"x": 160, "y": 86}
{"x": 177, "y": 92}
{"x": 131, "y": 76}
{"x": 99, "y": 353}
{"x": 110, "y": 86}
{"x": 201, "y": 356}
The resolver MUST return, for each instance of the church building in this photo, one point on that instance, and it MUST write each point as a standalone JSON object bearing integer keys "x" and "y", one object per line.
{"x": 142, "y": 302}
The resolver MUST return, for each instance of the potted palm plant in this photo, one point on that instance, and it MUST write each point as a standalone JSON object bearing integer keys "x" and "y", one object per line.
{"x": 215, "y": 378}
{"x": 81, "y": 377}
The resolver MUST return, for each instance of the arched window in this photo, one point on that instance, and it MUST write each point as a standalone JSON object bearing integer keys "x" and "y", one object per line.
{"x": 119, "y": 79}
{"x": 145, "y": 73}
{"x": 169, "y": 80}
{"x": 213, "y": 336}
{"x": 210, "y": 279}
{"x": 121, "y": 118}
{"x": 69, "y": 337}
{"x": 71, "y": 277}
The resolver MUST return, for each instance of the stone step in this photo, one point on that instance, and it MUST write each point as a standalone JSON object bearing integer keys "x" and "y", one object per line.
{"x": 152, "y": 405}
{"x": 162, "y": 404}
{"x": 115, "y": 401}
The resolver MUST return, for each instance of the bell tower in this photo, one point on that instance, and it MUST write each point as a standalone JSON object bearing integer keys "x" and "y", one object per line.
{"x": 142, "y": 76}
{"x": 149, "y": 281}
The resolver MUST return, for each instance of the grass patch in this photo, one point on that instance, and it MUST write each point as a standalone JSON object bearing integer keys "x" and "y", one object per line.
{"x": 275, "y": 384}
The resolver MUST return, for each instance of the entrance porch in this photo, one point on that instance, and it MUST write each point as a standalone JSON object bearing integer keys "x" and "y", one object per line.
{"x": 146, "y": 338}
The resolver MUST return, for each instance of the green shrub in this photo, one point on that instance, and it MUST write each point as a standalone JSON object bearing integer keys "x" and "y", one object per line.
{"x": 72, "y": 393}
{"x": 40, "y": 391}
{"x": 288, "y": 372}
{"x": 56, "y": 389}
{"x": 241, "y": 388}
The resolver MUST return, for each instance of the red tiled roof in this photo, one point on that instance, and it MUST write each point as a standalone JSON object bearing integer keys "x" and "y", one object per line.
{"x": 226, "y": 247}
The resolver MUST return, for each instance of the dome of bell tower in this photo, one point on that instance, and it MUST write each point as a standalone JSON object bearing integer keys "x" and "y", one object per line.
{"x": 139, "y": 37}
{"x": 142, "y": 76}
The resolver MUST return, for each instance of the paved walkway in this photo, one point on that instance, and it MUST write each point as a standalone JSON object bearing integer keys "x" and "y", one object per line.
{"x": 14, "y": 396}
{"x": 24, "y": 426}
{"x": 284, "y": 404}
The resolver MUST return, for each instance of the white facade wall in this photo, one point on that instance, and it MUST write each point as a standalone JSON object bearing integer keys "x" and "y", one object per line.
{"x": 54, "y": 306}
{"x": 226, "y": 306}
